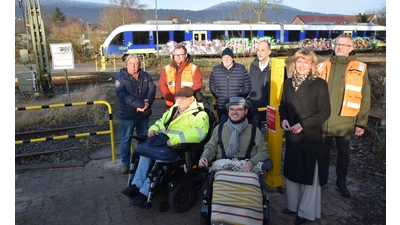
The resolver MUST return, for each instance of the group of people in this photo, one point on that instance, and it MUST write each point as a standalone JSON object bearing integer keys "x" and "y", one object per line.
{"x": 321, "y": 103}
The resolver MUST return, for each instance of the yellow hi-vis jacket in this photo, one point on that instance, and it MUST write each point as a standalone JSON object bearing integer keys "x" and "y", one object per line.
{"x": 353, "y": 85}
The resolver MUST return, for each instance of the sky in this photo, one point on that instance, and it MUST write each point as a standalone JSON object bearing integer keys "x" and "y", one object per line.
{"x": 345, "y": 7}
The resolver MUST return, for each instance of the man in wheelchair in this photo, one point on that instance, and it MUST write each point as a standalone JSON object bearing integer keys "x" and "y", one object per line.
{"x": 184, "y": 122}
{"x": 235, "y": 182}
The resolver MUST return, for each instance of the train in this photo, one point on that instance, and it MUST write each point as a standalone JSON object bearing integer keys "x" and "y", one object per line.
{"x": 158, "y": 37}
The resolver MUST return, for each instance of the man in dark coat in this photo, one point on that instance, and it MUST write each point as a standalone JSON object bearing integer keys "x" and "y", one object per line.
{"x": 136, "y": 92}
{"x": 228, "y": 79}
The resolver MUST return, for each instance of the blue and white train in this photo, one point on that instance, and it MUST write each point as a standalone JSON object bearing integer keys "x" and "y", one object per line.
{"x": 212, "y": 38}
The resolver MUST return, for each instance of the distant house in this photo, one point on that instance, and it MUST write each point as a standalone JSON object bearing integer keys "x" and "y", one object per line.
{"x": 371, "y": 18}
{"x": 310, "y": 19}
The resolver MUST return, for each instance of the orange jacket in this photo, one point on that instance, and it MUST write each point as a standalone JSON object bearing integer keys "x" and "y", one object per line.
{"x": 353, "y": 85}
{"x": 171, "y": 80}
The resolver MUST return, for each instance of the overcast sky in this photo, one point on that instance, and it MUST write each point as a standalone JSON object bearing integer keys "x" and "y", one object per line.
{"x": 346, "y": 7}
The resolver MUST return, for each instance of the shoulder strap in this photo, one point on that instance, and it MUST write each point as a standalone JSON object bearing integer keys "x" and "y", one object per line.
{"x": 252, "y": 143}
{"x": 170, "y": 118}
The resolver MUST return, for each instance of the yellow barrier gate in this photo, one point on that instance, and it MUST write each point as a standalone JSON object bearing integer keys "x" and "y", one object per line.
{"x": 111, "y": 131}
{"x": 274, "y": 130}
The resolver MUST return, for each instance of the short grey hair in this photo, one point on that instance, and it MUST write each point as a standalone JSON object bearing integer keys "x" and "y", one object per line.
{"x": 132, "y": 56}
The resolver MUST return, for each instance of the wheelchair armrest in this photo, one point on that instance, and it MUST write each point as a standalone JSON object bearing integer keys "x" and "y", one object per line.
{"x": 267, "y": 165}
{"x": 139, "y": 138}
{"x": 184, "y": 147}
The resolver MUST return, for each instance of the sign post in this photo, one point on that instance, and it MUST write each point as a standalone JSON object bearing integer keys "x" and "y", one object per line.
{"x": 63, "y": 59}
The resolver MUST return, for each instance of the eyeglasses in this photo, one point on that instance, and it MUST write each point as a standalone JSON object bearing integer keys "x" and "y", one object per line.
{"x": 182, "y": 98}
{"x": 179, "y": 55}
{"x": 236, "y": 110}
{"x": 342, "y": 45}
{"x": 301, "y": 62}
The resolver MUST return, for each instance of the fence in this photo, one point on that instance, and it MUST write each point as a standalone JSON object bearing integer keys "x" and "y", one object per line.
{"x": 110, "y": 131}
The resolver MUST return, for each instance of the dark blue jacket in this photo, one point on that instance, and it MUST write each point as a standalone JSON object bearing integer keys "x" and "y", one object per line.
{"x": 131, "y": 94}
{"x": 225, "y": 83}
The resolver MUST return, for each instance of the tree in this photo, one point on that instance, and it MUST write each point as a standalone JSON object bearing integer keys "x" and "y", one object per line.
{"x": 362, "y": 18}
{"x": 381, "y": 14}
{"x": 261, "y": 6}
{"x": 120, "y": 12}
{"x": 58, "y": 16}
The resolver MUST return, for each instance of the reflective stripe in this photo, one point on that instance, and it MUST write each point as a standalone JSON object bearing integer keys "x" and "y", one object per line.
{"x": 353, "y": 87}
{"x": 361, "y": 66}
{"x": 186, "y": 83}
{"x": 351, "y": 105}
{"x": 202, "y": 136}
{"x": 171, "y": 84}
{"x": 174, "y": 131}
{"x": 182, "y": 137}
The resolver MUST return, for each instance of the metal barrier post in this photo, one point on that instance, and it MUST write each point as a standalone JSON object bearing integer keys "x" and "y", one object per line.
{"x": 274, "y": 131}
{"x": 111, "y": 131}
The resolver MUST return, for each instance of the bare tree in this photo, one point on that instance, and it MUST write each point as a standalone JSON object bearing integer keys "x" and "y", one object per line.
{"x": 261, "y": 6}
{"x": 120, "y": 12}
{"x": 381, "y": 14}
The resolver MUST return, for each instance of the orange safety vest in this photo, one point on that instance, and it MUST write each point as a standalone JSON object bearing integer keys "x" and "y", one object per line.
{"x": 186, "y": 79}
{"x": 354, "y": 79}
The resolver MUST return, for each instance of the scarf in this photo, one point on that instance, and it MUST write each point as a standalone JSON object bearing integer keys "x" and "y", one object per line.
{"x": 297, "y": 81}
{"x": 234, "y": 146}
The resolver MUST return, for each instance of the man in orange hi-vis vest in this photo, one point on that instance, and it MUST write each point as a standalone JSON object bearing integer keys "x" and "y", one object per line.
{"x": 349, "y": 93}
{"x": 181, "y": 72}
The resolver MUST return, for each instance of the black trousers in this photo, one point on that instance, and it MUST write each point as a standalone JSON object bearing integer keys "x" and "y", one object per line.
{"x": 343, "y": 158}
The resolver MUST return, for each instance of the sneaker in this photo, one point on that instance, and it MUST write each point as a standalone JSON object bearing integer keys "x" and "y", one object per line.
{"x": 124, "y": 168}
{"x": 139, "y": 200}
{"x": 130, "y": 191}
{"x": 343, "y": 190}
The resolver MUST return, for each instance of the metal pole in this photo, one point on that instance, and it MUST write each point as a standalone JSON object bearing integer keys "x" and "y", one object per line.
{"x": 156, "y": 30}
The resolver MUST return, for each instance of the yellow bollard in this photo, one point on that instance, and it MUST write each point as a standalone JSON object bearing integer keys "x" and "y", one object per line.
{"x": 103, "y": 63}
{"x": 274, "y": 131}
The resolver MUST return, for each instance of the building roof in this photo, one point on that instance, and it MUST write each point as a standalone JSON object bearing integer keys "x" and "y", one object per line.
{"x": 318, "y": 19}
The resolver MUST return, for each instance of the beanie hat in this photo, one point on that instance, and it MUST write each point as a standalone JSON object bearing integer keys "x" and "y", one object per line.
{"x": 227, "y": 51}
{"x": 185, "y": 92}
{"x": 237, "y": 101}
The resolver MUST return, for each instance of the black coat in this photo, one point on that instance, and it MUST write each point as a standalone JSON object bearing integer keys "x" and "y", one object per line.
{"x": 310, "y": 107}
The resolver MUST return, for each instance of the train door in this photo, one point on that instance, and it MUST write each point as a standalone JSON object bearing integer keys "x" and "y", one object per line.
{"x": 199, "y": 35}
{"x": 348, "y": 32}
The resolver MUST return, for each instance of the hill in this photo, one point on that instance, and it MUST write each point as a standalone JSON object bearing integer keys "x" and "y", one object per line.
{"x": 89, "y": 12}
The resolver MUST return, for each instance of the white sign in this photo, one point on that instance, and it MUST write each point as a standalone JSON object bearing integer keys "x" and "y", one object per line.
{"x": 62, "y": 56}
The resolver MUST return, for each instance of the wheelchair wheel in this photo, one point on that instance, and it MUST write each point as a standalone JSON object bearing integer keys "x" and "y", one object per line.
{"x": 182, "y": 198}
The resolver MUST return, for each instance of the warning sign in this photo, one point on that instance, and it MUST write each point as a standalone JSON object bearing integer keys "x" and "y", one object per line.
{"x": 271, "y": 119}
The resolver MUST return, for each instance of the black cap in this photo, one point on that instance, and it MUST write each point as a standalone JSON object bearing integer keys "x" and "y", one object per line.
{"x": 227, "y": 51}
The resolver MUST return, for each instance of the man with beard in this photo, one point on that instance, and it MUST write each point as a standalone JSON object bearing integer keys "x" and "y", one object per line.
{"x": 236, "y": 136}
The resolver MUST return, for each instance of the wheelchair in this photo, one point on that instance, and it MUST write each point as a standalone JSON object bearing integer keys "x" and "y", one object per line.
{"x": 236, "y": 183}
{"x": 177, "y": 180}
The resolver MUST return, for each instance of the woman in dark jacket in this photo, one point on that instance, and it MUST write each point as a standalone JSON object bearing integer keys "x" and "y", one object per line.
{"x": 303, "y": 108}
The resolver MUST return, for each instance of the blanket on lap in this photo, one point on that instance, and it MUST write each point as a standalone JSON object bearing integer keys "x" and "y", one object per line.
{"x": 236, "y": 198}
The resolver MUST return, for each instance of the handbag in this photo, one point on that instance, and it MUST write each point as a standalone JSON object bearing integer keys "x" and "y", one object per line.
{"x": 156, "y": 148}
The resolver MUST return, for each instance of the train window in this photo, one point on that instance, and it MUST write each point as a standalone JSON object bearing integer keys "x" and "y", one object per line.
{"x": 335, "y": 34}
{"x": 380, "y": 35}
{"x": 360, "y": 33}
{"x": 163, "y": 37}
{"x": 250, "y": 34}
{"x": 218, "y": 34}
{"x": 118, "y": 39}
{"x": 179, "y": 36}
{"x": 270, "y": 33}
{"x": 235, "y": 33}
{"x": 294, "y": 35}
{"x": 140, "y": 38}
{"x": 323, "y": 34}
{"x": 370, "y": 33}
{"x": 311, "y": 34}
